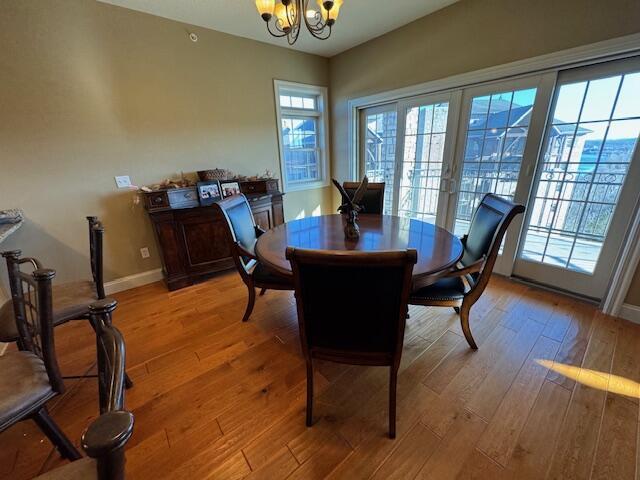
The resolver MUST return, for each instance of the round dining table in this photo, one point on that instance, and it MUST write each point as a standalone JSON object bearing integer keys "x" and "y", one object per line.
{"x": 437, "y": 248}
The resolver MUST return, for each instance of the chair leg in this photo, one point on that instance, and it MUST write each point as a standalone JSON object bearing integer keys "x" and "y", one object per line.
{"x": 466, "y": 329}
{"x": 309, "y": 393}
{"x": 250, "y": 302}
{"x": 393, "y": 381}
{"x": 457, "y": 310}
{"x": 262, "y": 291}
{"x": 57, "y": 437}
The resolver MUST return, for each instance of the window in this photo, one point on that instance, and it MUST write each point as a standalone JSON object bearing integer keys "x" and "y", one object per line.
{"x": 302, "y": 123}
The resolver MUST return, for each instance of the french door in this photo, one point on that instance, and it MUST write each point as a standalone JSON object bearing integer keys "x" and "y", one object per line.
{"x": 408, "y": 146}
{"x": 496, "y": 151}
{"x": 587, "y": 180}
{"x": 561, "y": 143}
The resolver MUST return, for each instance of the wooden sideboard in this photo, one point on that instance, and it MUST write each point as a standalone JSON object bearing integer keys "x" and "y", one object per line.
{"x": 193, "y": 241}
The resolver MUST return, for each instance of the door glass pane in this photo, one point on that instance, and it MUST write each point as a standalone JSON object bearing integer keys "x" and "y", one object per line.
{"x": 495, "y": 141}
{"x": 422, "y": 161}
{"x": 380, "y": 153}
{"x": 584, "y": 165}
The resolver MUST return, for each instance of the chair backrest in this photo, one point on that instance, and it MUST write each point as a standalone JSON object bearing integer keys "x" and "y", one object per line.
{"x": 352, "y": 306}
{"x": 106, "y": 437}
{"x": 373, "y": 199}
{"x": 242, "y": 229}
{"x": 96, "y": 234}
{"x": 486, "y": 231}
{"x": 31, "y": 296}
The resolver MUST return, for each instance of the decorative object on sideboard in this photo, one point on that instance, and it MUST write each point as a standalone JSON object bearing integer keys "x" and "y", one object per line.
{"x": 230, "y": 188}
{"x": 209, "y": 192}
{"x": 215, "y": 174}
{"x": 167, "y": 199}
{"x": 350, "y": 208}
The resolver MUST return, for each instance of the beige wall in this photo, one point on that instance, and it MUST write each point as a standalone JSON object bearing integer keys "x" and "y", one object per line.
{"x": 89, "y": 91}
{"x": 467, "y": 36}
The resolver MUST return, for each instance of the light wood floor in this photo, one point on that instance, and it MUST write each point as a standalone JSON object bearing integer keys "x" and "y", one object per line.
{"x": 215, "y": 398}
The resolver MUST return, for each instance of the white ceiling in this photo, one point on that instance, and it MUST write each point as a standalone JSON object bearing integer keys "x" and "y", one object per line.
{"x": 359, "y": 21}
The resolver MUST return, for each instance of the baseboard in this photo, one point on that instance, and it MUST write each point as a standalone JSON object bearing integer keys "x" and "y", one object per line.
{"x": 630, "y": 312}
{"x": 3, "y": 348}
{"x": 133, "y": 281}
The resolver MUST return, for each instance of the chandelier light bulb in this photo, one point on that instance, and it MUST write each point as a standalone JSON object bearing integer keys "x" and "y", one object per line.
{"x": 265, "y": 8}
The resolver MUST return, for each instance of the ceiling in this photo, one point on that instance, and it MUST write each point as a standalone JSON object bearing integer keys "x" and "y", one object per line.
{"x": 359, "y": 21}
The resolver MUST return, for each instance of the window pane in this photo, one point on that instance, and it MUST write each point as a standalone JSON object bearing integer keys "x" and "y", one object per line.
{"x": 479, "y": 110}
{"x": 600, "y": 97}
{"x": 300, "y": 142}
{"x": 569, "y": 102}
{"x": 422, "y": 161}
{"x": 285, "y": 101}
{"x": 380, "y": 152}
{"x": 306, "y": 102}
{"x": 499, "y": 110}
{"x": 628, "y": 104}
{"x": 521, "y": 108}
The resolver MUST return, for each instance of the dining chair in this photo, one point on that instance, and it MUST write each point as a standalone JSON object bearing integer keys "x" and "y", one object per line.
{"x": 64, "y": 308}
{"x": 105, "y": 438}
{"x": 70, "y": 300}
{"x": 352, "y": 308}
{"x": 243, "y": 234}
{"x": 30, "y": 377}
{"x": 462, "y": 286}
{"x": 373, "y": 200}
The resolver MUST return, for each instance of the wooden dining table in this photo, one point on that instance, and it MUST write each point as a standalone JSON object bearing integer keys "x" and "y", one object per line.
{"x": 437, "y": 248}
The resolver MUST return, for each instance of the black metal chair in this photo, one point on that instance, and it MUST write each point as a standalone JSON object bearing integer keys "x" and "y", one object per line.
{"x": 463, "y": 285}
{"x": 373, "y": 199}
{"x": 352, "y": 308}
{"x": 70, "y": 300}
{"x": 243, "y": 234}
{"x": 105, "y": 438}
{"x": 29, "y": 378}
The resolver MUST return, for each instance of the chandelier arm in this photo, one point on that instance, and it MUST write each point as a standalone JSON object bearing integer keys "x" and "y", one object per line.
{"x": 317, "y": 27}
{"x": 292, "y": 37}
{"x": 279, "y": 33}
{"x": 319, "y": 34}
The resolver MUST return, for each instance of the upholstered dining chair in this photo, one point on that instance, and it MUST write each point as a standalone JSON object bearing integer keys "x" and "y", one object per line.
{"x": 243, "y": 234}
{"x": 463, "y": 285}
{"x": 105, "y": 438}
{"x": 352, "y": 308}
{"x": 30, "y": 377}
{"x": 70, "y": 300}
{"x": 373, "y": 200}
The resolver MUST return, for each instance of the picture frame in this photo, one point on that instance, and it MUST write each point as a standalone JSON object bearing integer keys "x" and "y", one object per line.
{"x": 230, "y": 188}
{"x": 209, "y": 192}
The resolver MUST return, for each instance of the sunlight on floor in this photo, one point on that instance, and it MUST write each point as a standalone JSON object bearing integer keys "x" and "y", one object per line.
{"x": 594, "y": 378}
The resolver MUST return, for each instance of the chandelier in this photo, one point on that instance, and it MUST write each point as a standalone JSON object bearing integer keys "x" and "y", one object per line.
{"x": 288, "y": 15}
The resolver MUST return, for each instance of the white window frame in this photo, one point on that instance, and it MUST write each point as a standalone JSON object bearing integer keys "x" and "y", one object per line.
{"x": 321, "y": 113}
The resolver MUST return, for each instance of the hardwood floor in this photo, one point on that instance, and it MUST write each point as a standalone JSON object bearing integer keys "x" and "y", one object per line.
{"x": 216, "y": 398}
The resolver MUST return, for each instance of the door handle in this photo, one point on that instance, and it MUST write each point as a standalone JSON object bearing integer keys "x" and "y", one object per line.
{"x": 442, "y": 187}
{"x": 453, "y": 186}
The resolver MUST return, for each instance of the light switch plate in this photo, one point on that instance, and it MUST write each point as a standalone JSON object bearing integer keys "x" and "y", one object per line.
{"x": 123, "y": 181}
